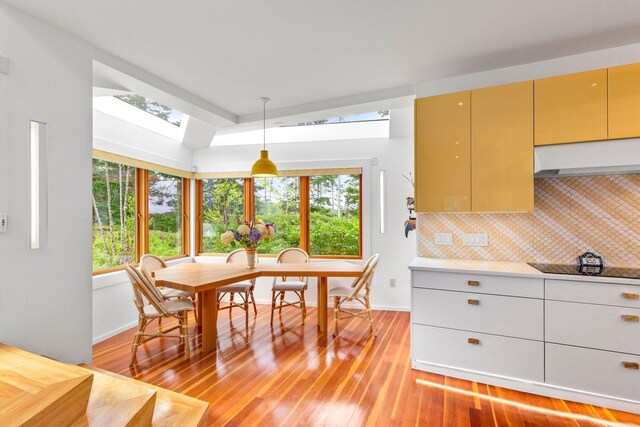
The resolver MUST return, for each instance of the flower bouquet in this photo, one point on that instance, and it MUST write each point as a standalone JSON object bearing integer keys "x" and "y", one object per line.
{"x": 249, "y": 236}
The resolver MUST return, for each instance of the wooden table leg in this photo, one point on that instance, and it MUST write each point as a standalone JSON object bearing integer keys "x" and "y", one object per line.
{"x": 209, "y": 318}
{"x": 199, "y": 309}
{"x": 322, "y": 303}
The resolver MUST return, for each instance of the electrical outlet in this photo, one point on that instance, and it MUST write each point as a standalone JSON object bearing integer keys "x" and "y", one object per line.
{"x": 392, "y": 283}
{"x": 445, "y": 239}
{"x": 3, "y": 222}
{"x": 475, "y": 239}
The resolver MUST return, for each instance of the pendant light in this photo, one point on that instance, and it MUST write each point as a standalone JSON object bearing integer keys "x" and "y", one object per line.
{"x": 263, "y": 167}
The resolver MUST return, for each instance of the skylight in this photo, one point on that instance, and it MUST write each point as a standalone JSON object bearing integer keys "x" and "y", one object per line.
{"x": 364, "y": 117}
{"x": 161, "y": 111}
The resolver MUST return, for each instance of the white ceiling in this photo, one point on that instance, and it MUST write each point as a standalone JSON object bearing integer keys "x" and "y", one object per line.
{"x": 230, "y": 53}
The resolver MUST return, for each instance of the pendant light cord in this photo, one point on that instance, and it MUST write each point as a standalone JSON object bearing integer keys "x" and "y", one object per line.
{"x": 264, "y": 124}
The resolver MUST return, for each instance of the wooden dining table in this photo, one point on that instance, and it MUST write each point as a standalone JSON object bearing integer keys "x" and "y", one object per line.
{"x": 204, "y": 279}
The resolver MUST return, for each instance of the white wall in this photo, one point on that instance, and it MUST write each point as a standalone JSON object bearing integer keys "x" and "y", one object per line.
{"x": 121, "y": 137}
{"x": 45, "y": 295}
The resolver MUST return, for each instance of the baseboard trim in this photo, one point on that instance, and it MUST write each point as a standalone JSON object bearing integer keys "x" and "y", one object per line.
{"x": 114, "y": 332}
{"x": 346, "y": 305}
{"x": 258, "y": 301}
{"x": 542, "y": 389}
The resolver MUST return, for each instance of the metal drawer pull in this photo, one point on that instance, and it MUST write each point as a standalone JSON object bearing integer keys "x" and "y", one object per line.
{"x": 630, "y": 318}
{"x": 473, "y": 301}
{"x": 627, "y": 295}
{"x": 631, "y": 365}
{"x": 475, "y": 341}
{"x": 473, "y": 283}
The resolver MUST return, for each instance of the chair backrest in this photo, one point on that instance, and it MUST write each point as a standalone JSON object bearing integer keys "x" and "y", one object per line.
{"x": 144, "y": 290}
{"x": 238, "y": 256}
{"x": 293, "y": 256}
{"x": 149, "y": 264}
{"x": 367, "y": 275}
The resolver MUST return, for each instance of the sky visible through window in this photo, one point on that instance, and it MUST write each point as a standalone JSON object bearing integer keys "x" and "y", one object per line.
{"x": 161, "y": 111}
{"x": 364, "y": 117}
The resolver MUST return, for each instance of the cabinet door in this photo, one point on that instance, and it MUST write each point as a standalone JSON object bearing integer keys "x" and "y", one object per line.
{"x": 571, "y": 108}
{"x": 624, "y": 101}
{"x": 502, "y": 148}
{"x": 443, "y": 153}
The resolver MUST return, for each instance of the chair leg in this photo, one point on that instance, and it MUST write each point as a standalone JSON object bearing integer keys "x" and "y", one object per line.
{"x": 281, "y": 302}
{"x": 136, "y": 340}
{"x": 230, "y": 303}
{"x": 253, "y": 301}
{"x": 303, "y": 306}
{"x": 160, "y": 324}
{"x": 195, "y": 309}
{"x": 246, "y": 308}
{"x": 336, "y": 305}
{"x": 368, "y": 305}
{"x": 273, "y": 304}
{"x": 185, "y": 330}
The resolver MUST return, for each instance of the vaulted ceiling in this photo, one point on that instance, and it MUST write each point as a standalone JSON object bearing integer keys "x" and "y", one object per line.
{"x": 230, "y": 53}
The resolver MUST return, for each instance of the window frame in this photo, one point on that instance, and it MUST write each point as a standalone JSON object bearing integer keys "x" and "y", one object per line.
{"x": 305, "y": 218}
{"x": 142, "y": 216}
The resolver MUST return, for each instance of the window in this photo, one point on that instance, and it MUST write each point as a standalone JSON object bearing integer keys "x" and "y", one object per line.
{"x": 364, "y": 117}
{"x": 277, "y": 200}
{"x": 159, "y": 110}
{"x": 165, "y": 214}
{"x": 114, "y": 227}
{"x": 334, "y": 215}
{"x": 137, "y": 211}
{"x": 320, "y": 214}
{"x": 222, "y": 208}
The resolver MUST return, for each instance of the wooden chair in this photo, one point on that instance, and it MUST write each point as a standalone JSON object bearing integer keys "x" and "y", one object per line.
{"x": 149, "y": 264}
{"x": 151, "y": 305}
{"x": 358, "y": 291}
{"x": 243, "y": 289}
{"x": 281, "y": 287}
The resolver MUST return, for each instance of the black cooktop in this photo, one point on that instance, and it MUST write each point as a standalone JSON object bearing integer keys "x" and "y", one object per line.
{"x": 627, "y": 273}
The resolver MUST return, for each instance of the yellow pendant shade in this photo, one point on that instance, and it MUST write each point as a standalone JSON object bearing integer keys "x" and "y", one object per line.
{"x": 263, "y": 167}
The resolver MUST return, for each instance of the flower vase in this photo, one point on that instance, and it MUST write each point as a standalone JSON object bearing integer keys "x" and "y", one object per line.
{"x": 251, "y": 257}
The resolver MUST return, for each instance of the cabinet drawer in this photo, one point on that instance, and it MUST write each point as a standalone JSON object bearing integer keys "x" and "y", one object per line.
{"x": 594, "y": 371}
{"x": 493, "y": 314}
{"x": 593, "y": 326}
{"x": 483, "y": 284}
{"x": 489, "y": 354}
{"x": 593, "y": 292}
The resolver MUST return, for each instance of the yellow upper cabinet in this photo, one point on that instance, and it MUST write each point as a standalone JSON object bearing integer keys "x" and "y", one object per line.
{"x": 571, "y": 108}
{"x": 624, "y": 101}
{"x": 502, "y": 148}
{"x": 443, "y": 153}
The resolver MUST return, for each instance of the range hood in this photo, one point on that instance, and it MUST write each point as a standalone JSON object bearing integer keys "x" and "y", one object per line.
{"x": 588, "y": 158}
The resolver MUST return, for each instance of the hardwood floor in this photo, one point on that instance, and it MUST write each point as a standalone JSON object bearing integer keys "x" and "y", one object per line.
{"x": 294, "y": 375}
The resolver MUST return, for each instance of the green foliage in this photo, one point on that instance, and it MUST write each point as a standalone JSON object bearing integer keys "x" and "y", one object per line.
{"x": 332, "y": 235}
{"x": 223, "y": 209}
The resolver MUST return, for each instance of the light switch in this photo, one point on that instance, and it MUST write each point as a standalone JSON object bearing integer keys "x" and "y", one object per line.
{"x": 3, "y": 222}
{"x": 475, "y": 239}
{"x": 443, "y": 239}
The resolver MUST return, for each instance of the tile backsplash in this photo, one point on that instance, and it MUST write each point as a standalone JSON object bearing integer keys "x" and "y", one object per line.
{"x": 572, "y": 215}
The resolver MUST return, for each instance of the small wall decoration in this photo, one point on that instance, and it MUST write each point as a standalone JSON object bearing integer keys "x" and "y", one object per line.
{"x": 410, "y": 224}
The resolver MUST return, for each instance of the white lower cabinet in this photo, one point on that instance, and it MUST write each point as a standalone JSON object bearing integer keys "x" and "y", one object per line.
{"x": 493, "y": 314}
{"x": 593, "y": 371}
{"x": 593, "y": 326}
{"x": 483, "y": 353}
{"x": 578, "y": 340}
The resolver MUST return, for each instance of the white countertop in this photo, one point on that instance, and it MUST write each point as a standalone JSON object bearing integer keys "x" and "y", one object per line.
{"x": 505, "y": 268}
